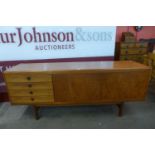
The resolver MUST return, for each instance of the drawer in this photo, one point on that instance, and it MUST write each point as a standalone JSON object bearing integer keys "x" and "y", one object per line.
{"x": 141, "y": 45}
{"x": 153, "y": 73}
{"x": 133, "y": 45}
{"x": 130, "y": 39}
{"x": 132, "y": 57}
{"x": 128, "y": 45}
{"x": 123, "y": 57}
{"x": 31, "y": 92}
{"x": 27, "y": 77}
{"x": 151, "y": 56}
{"x": 31, "y": 100}
{"x": 134, "y": 51}
{"x": 29, "y": 85}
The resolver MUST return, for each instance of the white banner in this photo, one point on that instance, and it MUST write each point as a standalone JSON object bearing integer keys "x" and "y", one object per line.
{"x": 35, "y": 43}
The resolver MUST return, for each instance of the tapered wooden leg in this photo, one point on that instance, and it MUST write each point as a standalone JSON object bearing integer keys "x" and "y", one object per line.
{"x": 120, "y": 109}
{"x": 36, "y": 112}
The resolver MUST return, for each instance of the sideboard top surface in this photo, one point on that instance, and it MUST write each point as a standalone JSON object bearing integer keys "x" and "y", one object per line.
{"x": 77, "y": 66}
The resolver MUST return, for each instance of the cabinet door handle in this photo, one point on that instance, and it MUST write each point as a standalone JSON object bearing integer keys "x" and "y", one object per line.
{"x": 29, "y": 85}
{"x": 32, "y": 99}
{"x": 29, "y": 78}
{"x": 31, "y": 92}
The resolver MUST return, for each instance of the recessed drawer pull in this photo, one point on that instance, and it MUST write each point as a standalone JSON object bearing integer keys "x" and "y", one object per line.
{"x": 31, "y": 92}
{"x": 29, "y": 85}
{"x": 32, "y": 99}
{"x": 29, "y": 78}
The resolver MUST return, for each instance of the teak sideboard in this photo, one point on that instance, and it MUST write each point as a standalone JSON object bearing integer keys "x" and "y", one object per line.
{"x": 77, "y": 83}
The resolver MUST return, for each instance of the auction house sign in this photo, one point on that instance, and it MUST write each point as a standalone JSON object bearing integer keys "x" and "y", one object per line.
{"x": 35, "y": 43}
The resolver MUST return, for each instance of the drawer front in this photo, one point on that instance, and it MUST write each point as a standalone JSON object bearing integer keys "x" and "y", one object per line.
{"x": 142, "y": 45}
{"x": 133, "y": 51}
{"x": 132, "y": 57}
{"x": 123, "y": 58}
{"x": 27, "y": 77}
{"x": 29, "y": 85}
{"x": 31, "y": 92}
{"x": 151, "y": 56}
{"x": 153, "y": 74}
{"x": 128, "y": 45}
{"x": 31, "y": 100}
{"x": 133, "y": 45}
{"x": 130, "y": 39}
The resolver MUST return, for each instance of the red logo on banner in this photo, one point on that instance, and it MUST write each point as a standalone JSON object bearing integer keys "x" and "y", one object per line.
{"x": 35, "y": 37}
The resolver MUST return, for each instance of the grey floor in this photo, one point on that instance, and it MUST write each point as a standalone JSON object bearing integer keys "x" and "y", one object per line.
{"x": 137, "y": 115}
